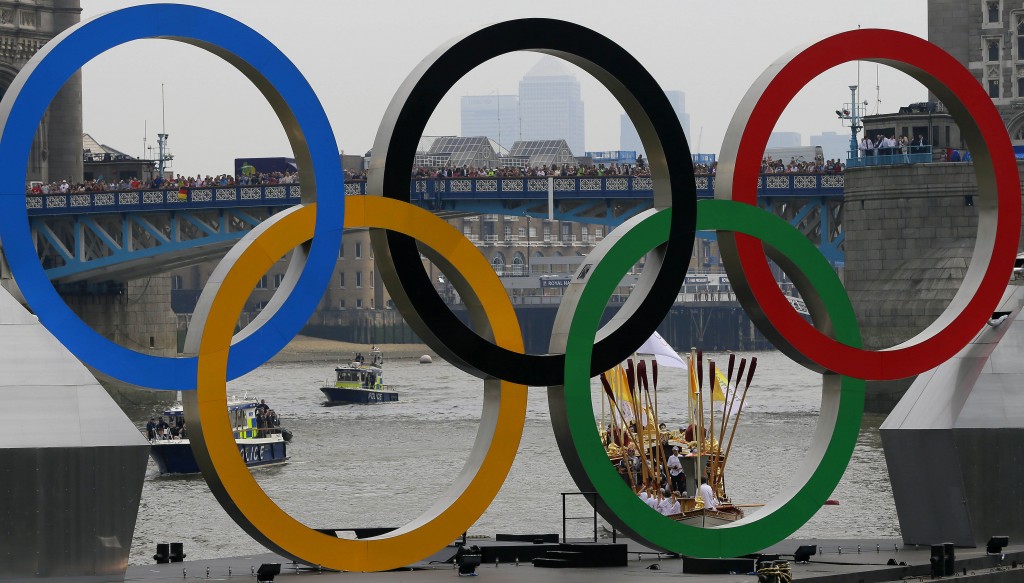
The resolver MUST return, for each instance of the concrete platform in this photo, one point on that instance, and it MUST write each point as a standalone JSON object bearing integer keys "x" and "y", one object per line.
{"x": 828, "y": 566}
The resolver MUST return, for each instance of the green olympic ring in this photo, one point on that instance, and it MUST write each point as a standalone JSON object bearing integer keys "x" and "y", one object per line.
{"x": 841, "y": 408}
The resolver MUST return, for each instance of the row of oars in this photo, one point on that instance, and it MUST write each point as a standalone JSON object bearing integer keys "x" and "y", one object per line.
{"x": 718, "y": 461}
{"x": 640, "y": 399}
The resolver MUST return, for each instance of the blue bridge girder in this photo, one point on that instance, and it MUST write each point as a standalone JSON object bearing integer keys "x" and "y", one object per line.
{"x": 126, "y": 235}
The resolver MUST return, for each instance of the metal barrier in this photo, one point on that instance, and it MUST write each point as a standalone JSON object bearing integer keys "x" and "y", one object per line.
{"x": 892, "y": 157}
{"x": 592, "y": 498}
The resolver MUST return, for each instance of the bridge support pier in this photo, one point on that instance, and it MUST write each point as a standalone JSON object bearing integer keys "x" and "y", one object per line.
{"x": 910, "y": 232}
{"x": 136, "y": 315}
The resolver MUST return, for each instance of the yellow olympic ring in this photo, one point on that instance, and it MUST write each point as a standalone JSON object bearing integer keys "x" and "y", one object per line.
{"x": 501, "y": 423}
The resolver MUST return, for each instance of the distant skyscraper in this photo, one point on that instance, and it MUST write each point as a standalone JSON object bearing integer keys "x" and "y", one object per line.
{"x": 785, "y": 140}
{"x": 550, "y": 106}
{"x": 678, "y": 101}
{"x": 833, "y": 145}
{"x": 493, "y": 116}
{"x": 629, "y": 139}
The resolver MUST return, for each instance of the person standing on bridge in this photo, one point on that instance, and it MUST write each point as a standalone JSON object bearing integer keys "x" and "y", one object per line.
{"x": 866, "y": 147}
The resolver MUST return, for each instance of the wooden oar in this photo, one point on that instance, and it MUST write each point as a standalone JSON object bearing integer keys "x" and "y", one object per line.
{"x": 711, "y": 390}
{"x": 732, "y": 397}
{"x": 732, "y": 361}
{"x": 642, "y": 386}
{"x": 638, "y": 418}
{"x": 700, "y": 370}
{"x": 750, "y": 376}
{"x": 615, "y": 403}
{"x": 611, "y": 397}
{"x": 630, "y": 374}
{"x": 695, "y": 423}
{"x": 654, "y": 384}
{"x": 736, "y": 389}
{"x": 607, "y": 396}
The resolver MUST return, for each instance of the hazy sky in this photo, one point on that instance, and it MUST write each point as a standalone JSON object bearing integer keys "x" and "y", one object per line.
{"x": 355, "y": 55}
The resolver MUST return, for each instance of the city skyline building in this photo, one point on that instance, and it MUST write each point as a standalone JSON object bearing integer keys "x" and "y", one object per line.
{"x": 629, "y": 139}
{"x": 492, "y": 116}
{"x": 833, "y": 144}
{"x": 550, "y": 105}
{"x": 785, "y": 140}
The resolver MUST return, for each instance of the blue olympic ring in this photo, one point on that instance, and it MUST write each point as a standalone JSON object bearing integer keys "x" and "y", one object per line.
{"x": 294, "y": 102}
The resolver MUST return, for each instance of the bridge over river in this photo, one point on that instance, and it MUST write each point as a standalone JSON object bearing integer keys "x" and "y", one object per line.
{"x": 123, "y": 235}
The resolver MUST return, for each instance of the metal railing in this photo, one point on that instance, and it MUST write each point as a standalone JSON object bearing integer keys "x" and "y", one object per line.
{"x": 421, "y": 190}
{"x": 890, "y": 157}
{"x": 592, "y": 498}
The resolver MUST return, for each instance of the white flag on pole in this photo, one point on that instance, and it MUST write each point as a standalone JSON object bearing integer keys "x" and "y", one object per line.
{"x": 662, "y": 352}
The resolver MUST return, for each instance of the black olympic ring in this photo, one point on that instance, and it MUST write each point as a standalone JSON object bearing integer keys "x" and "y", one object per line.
{"x": 671, "y": 169}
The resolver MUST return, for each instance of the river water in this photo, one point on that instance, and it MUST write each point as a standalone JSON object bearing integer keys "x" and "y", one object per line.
{"x": 382, "y": 465}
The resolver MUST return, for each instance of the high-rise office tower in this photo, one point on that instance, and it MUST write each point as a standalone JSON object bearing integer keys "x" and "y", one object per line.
{"x": 492, "y": 116}
{"x": 550, "y": 105}
{"x": 629, "y": 139}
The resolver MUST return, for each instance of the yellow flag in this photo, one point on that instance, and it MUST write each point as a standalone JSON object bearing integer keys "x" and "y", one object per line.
{"x": 620, "y": 388}
{"x": 694, "y": 388}
{"x": 716, "y": 392}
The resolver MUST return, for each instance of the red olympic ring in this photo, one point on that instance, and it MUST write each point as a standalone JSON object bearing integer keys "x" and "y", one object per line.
{"x": 999, "y": 204}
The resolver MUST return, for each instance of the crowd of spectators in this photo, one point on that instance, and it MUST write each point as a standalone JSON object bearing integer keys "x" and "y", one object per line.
{"x": 794, "y": 166}
{"x": 564, "y": 170}
{"x": 158, "y": 183}
{"x": 768, "y": 166}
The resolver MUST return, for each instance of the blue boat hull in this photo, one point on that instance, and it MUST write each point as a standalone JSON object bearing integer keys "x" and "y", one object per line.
{"x": 344, "y": 396}
{"x": 176, "y": 457}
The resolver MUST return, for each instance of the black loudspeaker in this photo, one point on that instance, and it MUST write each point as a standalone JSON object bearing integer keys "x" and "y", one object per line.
{"x": 995, "y": 544}
{"x": 177, "y": 552}
{"x": 468, "y": 559}
{"x": 950, "y": 562}
{"x": 163, "y": 553}
{"x": 804, "y": 553}
{"x": 937, "y": 560}
{"x": 267, "y": 572}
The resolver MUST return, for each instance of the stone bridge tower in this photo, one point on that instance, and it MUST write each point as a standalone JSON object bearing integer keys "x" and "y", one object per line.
{"x": 25, "y": 26}
{"x": 910, "y": 229}
{"x": 139, "y": 316}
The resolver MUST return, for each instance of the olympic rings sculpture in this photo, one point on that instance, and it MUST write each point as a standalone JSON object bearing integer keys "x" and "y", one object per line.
{"x": 494, "y": 350}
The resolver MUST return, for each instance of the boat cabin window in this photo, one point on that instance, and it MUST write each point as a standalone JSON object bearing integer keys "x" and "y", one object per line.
{"x": 238, "y": 418}
{"x": 348, "y": 375}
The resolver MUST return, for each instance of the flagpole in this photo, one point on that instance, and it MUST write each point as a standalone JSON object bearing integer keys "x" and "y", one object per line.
{"x": 608, "y": 389}
{"x": 698, "y": 434}
{"x": 711, "y": 386}
{"x": 657, "y": 424}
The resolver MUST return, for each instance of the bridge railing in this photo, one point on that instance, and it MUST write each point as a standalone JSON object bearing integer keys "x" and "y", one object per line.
{"x": 891, "y": 157}
{"x": 610, "y": 186}
{"x": 161, "y": 200}
{"x": 422, "y": 191}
